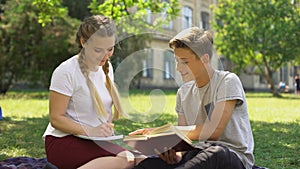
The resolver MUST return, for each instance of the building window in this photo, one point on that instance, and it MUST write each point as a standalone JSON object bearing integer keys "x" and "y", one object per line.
{"x": 283, "y": 73}
{"x": 169, "y": 65}
{"x": 204, "y": 23}
{"x": 262, "y": 80}
{"x": 147, "y": 64}
{"x": 149, "y": 16}
{"x": 167, "y": 25}
{"x": 187, "y": 16}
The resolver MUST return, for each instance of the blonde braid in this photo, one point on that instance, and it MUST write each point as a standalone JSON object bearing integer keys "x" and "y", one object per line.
{"x": 118, "y": 110}
{"x": 97, "y": 102}
{"x": 104, "y": 27}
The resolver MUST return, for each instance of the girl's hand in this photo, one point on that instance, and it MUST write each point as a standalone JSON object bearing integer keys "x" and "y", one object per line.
{"x": 103, "y": 130}
{"x": 170, "y": 156}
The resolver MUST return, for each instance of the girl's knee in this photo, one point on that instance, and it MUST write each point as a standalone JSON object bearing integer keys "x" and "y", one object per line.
{"x": 127, "y": 159}
{"x": 127, "y": 164}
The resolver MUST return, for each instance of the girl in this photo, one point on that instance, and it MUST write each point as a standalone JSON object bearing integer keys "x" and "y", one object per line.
{"x": 81, "y": 98}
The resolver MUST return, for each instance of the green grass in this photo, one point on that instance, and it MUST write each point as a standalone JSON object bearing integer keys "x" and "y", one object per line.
{"x": 275, "y": 123}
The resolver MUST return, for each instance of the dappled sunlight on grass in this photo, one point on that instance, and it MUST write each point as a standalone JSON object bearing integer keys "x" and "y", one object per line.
{"x": 274, "y": 109}
{"x": 275, "y": 123}
{"x": 22, "y": 137}
{"x": 276, "y": 142}
{"x": 24, "y": 108}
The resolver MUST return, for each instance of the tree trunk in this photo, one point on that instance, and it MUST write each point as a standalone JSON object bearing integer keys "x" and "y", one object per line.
{"x": 270, "y": 81}
{"x": 5, "y": 83}
{"x": 3, "y": 88}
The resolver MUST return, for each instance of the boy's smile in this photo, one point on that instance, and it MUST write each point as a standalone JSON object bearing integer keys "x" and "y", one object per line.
{"x": 187, "y": 64}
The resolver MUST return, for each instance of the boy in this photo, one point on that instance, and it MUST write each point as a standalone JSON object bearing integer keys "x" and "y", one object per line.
{"x": 212, "y": 100}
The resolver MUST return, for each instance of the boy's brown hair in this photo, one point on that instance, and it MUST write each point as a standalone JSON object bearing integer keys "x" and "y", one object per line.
{"x": 200, "y": 42}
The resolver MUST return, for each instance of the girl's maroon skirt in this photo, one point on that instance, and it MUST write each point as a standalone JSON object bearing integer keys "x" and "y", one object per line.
{"x": 70, "y": 152}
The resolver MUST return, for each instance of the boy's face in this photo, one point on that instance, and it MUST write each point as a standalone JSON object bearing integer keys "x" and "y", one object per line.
{"x": 187, "y": 64}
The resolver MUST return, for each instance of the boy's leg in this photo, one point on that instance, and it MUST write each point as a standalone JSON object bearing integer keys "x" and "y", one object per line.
{"x": 209, "y": 156}
{"x": 153, "y": 163}
{"x": 212, "y": 156}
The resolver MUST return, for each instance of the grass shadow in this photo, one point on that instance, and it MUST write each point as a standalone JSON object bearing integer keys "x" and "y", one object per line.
{"x": 277, "y": 144}
{"x": 289, "y": 96}
{"x": 32, "y": 94}
{"x": 22, "y": 137}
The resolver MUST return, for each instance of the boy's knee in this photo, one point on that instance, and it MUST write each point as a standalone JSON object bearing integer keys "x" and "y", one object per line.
{"x": 220, "y": 153}
{"x": 225, "y": 157}
{"x": 218, "y": 150}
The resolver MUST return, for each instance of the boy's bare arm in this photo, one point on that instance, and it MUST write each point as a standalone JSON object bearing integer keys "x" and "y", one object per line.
{"x": 181, "y": 120}
{"x": 214, "y": 128}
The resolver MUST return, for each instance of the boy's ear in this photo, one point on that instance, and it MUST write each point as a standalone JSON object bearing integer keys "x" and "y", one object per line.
{"x": 82, "y": 41}
{"x": 205, "y": 58}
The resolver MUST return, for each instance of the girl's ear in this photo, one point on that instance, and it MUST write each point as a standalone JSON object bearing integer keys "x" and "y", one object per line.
{"x": 82, "y": 41}
{"x": 205, "y": 58}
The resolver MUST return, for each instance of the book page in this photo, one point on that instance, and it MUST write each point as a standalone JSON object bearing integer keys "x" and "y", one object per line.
{"x": 167, "y": 129}
{"x": 162, "y": 129}
{"x": 185, "y": 129}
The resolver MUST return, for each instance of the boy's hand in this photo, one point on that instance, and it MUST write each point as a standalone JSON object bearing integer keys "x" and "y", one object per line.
{"x": 141, "y": 131}
{"x": 170, "y": 156}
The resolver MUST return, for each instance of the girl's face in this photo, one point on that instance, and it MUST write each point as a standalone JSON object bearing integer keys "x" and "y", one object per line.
{"x": 98, "y": 50}
{"x": 187, "y": 64}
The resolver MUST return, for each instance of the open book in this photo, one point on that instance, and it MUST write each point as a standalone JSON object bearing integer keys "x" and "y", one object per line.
{"x": 161, "y": 138}
{"x": 108, "y": 138}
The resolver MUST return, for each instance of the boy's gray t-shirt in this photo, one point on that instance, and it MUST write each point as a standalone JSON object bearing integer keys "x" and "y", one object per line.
{"x": 196, "y": 104}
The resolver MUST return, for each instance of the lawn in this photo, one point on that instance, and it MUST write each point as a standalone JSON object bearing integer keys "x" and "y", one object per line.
{"x": 275, "y": 123}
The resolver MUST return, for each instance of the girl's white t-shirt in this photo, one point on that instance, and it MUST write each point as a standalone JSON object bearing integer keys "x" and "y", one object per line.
{"x": 68, "y": 80}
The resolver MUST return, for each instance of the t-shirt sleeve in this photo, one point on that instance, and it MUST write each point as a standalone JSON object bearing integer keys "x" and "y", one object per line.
{"x": 178, "y": 107}
{"x": 61, "y": 81}
{"x": 230, "y": 89}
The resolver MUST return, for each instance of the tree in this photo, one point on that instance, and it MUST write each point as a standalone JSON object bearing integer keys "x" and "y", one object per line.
{"x": 37, "y": 35}
{"x": 77, "y": 8}
{"x": 137, "y": 21}
{"x": 130, "y": 16}
{"x": 48, "y": 10}
{"x": 262, "y": 34}
{"x": 28, "y": 51}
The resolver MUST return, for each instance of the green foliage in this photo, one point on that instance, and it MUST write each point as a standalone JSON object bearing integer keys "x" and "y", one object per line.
{"x": 77, "y": 8}
{"x": 131, "y": 15}
{"x": 17, "y": 31}
{"x": 29, "y": 51}
{"x": 38, "y": 35}
{"x": 262, "y": 34}
{"x": 49, "y": 9}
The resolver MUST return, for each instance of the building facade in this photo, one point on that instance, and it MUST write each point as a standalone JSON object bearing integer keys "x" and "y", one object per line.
{"x": 159, "y": 66}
